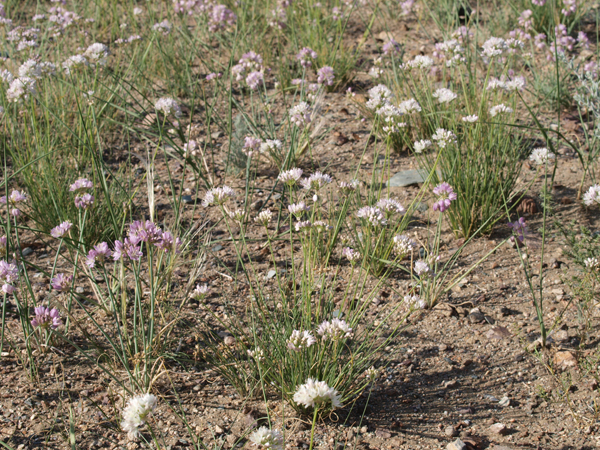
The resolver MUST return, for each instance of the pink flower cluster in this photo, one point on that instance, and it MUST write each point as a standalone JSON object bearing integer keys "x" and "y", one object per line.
{"x": 446, "y": 196}
{"x": 9, "y": 274}
{"x": 14, "y": 199}
{"x": 46, "y": 318}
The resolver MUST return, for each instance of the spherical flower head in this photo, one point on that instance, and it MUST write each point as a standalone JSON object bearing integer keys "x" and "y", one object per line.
{"x": 444, "y": 95}
{"x": 267, "y": 439}
{"x": 315, "y": 393}
{"x": 167, "y": 106}
{"x": 200, "y": 291}
{"x": 592, "y": 196}
{"x": 444, "y": 137}
{"x": 372, "y": 215}
{"x": 254, "y": 80}
{"x": 9, "y": 274}
{"x": 300, "y": 114}
{"x": 20, "y": 89}
{"x": 145, "y": 232}
{"x": 391, "y": 47}
{"x": 98, "y": 254}
{"x": 316, "y": 181}
{"x": 300, "y": 339}
{"x": 305, "y": 56}
{"x": 404, "y": 245}
{"x": 237, "y": 215}
{"x": 415, "y": 302}
{"x": 218, "y": 196}
{"x": 321, "y": 226}
{"x": 297, "y": 209}
{"x": 592, "y": 263}
{"x": 164, "y": 27}
{"x": 264, "y": 217}
{"x": 325, "y": 75}
{"x": 97, "y": 53}
{"x": 390, "y": 206}
{"x": 46, "y": 318}
{"x": 290, "y": 177}
{"x": 349, "y": 186}
{"x": 446, "y": 196}
{"x": 410, "y": 106}
{"x": 372, "y": 373}
{"x": 31, "y": 69}
{"x": 128, "y": 249}
{"x": 379, "y": 96}
{"x": 81, "y": 185}
{"x": 541, "y": 156}
{"x": 84, "y": 201}
{"x": 494, "y": 47}
{"x": 271, "y": 146}
{"x": 500, "y": 109}
{"x": 14, "y": 198}
{"x": 470, "y": 119}
{"x": 136, "y": 413}
{"x": 251, "y": 144}
{"x": 519, "y": 229}
{"x": 350, "y": 254}
{"x": 422, "y": 269}
{"x": 303, "y": 225}
{"x": 61, "y": 282}
{"x": 335, "y": 330}
{"x": 420, "y": 62}
{"x": 421, "y": 145}
{"x": 256, "y": 354}
{"x": 74, "y": 62}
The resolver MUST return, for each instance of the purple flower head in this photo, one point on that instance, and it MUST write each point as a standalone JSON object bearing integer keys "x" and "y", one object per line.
{"x": 446, "y": 195}
{"x": 61, "y": 282}
{"x": 81, "y": 185}
{"x": 254, "y": 80}
{"x": 305, "y": 55}
{"x": 14, "y": 198}
{"x": 127, "y": 248}
{"x": 168, "y": 242}
{"x": 391, "y": 47}
{"x": 220, "y": 17}
{"x": 144, "y": 232}
{"x": 98, "y": 254}
{"x": 213, "y": 75}
{"x": 60, "y": 230}
{"x": 325, "y": 75}
{"x": 9, "y": 273}
{"x": 46, "y": 318}
{"x": 84, "y": 201}
{"x": 16, "y": 212}
{"x": 519, "y": 229}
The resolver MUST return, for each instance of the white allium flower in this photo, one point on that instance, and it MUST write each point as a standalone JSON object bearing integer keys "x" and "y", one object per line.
{"x": 316, "y": 181}
{"x": 136, "y": 413}
{"x": 218, "y": 196}
{"x": 300, "y": 114}
{"x": 415, "y": 302}
{"x": 541, "y": 156}
{"x": 372, "y": 373}
{"x": 167, "y": 106}
{"x": 515, "y": 84}
{"x": 315, "y": 393}
{"x": 298, "y": 209}
{"x": 300, "y": 339}
{"x": 500, "y": 109}
{"x": 375, "y": 72}
{"x": 592, "y": 196}
{"x": 470, "y": 119}
{"x": 137, "y": 11}
{"x": 97, "y": 53}
{"x": 271, "y": 145}
{"x": 6, "y": 76}
{"x": 20, "y": 89}
{"x": 372, "y": 214}
{"x": 422, "y": 145}
{"x": 391, "y": 206}
{"x": 200, "y": 291}
{"x": 237, "y": 215}
{"x": 303, "y": 225}
{"x": 422, "y": 269}
{"x": 404, "y": 245}
{"x": 444, "y": 137}
{"x": 444, "y": 95}
{"x": 290, "y": 177}
{"x": 267, "y": 439}
{"x": 334, "y": 330}
{"x": 378, "y": 96}
{"x": 420, "y": 62}
{"x": 257, "y": 354}
{"x": 30, "y": 69}
{"x": 495, "y": 84}
{"x": 592, "y": 263}
{"x": 409, "y": 106}
{"x": 350, "y": 254}
{"x": 264, "y": 217}
{"x": 494, "y": 47}
{"x": 164, "y": 27}
{"x": 74, "y": 62}
{"x": 349, "y": 186}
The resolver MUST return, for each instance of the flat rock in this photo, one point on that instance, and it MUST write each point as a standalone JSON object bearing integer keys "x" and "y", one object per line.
{"x": 456, "y": 445}
{"x": 407, "y": 178}
{"x": 497, "y": 332}
{"x": 504, "y": 402}
{"x": 499, "y": 428}
{"x": 451, "y": 431}
{"x": 451, "y": 384}
{"x": 382, "y": 433}
{"x": 270, "y": 274}
{"x": 27, "y": 251}
{"x": 476, "y": 316}
{"x": 565, "y": 359}
{"x": 445, "y": 309}
{"x": 187, "y": 199}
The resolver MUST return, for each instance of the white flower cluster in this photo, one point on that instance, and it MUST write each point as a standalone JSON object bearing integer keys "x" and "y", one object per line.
{"x": 218, "y": 196}
{"x": 444, "y": 137}
{"x": 421, "y": 145}
{"x": 136, "y": 413}
{"x": 404, "y": 245}
{"x": 592, "y": 263}
{"x": 390, "y": 206}
{"x": 494, "y": 47}
{"x": 592, "y": 196}
{"x": 444, "y": 95}
{"x": 420, "y": 62}
{"x": 334, "y": 330}
{"x": 167, "y": 106}
{"x": 410, "y": 106}
{"x": 541, "y": 156}
{"x": 372, "y": 214}
{"x": 300, "y": 114}
{"x": 379, "y": 96}
{"x": 315, "y": 393}
{"x": 300, "y": 339}
{"x": 500, "y": 109}
{"x": 267, "y": 439}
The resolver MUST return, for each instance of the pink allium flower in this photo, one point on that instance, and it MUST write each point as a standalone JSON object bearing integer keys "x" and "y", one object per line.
{"x": 144, "y": 232}
{"x": 391, "y": 47}
{"x": 592, "y": 196}
{"x": 422, "y": 269}
{"x": 127, "y": 248}
{"x": 325, "y": 75}
{"x": 9, "y": 274}
{"x": 168, "y": 106}
{"x": 98, "y": 254}
{"x": 84, "y": 201}
{"x": 81, "y": 185}
{"x": 304, "y": 225}
{"x": 390, "y": 206}
{"x": 46, "y": 318}
{"x": 300, "y": 114}
{"x": 14, "y": 198}
{"x": 350, "y": 254}
{"x": 60, "y": 230}
{"x": 372, "y": 214}
{"x": 200, "y": 291}
{"x": 61, "y": 282}
{"x": 446, "y": 195}
{"x": 305, "y": 55}
{"x": 220, "y": 18}
{"x": 167, "y": 242}
{"x": 218, "y": 196}
{"x": 213, "y": 76}
{"x": 254, "y": 80}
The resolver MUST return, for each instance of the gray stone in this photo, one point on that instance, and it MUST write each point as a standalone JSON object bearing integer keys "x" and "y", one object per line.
{"x": 504, "y": 402}
{"x": 270, "y": 274}
{"x": 217, "y": 248}
{"x": 422, "y": 207}
{"x": 497, "y": 332}
{"x": 337, "y": 314}
{"x": 187, "y": 199}
{"x": 476, "y": 316}
{"x": 407, "y": 178}
{"x": 456, "y": 445}
{"x": 27, "y": 251}
{"x": 451, "y": 431}
{"x": 79, "y": 290}
{"x": 499, "y": 428}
